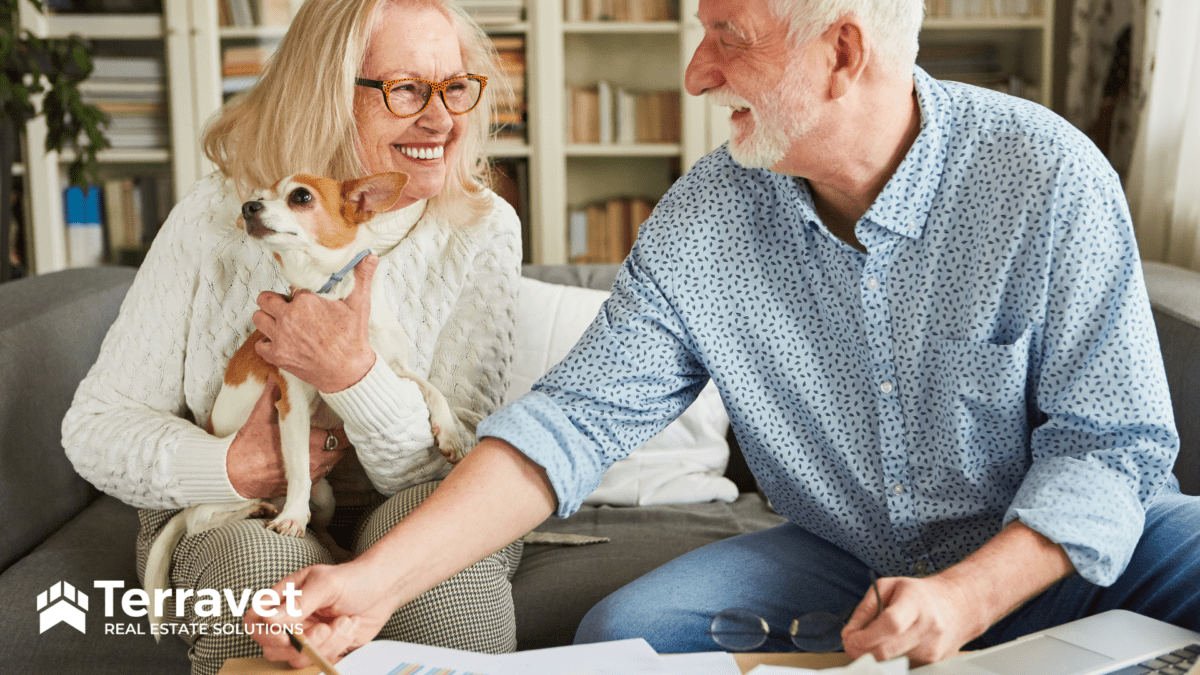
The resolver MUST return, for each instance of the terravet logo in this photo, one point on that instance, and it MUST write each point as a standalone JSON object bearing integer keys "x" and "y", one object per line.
{"x": 63, "y": 604}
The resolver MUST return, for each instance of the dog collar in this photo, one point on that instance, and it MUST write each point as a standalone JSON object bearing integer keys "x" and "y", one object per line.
{"x": 341, "y": 274}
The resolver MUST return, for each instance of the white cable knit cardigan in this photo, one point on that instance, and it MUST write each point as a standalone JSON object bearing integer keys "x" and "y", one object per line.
{"x": 136, "y": 426}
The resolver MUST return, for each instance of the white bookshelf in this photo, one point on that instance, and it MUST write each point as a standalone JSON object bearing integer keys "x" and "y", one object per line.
{"x": 44, "y": 172}
{"x": 561, "y": 175}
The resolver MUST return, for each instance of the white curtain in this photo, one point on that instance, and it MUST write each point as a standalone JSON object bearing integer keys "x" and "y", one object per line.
{"x": 1163, "y": 186}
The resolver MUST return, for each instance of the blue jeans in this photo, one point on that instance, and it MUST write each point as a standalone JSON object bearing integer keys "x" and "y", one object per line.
{"x": 783, "y": 572}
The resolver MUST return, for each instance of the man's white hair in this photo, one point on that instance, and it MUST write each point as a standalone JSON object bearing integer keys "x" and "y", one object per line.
{"x": 893, "y": 25}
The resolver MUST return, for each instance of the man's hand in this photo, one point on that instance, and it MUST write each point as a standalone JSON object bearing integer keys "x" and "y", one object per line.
{"x": 926, "y": 619}
{"x": 340, "y": 609}
{"x": 493, "y": 496}
{"x": 932, "y": 618}
{"x": 254, "y": 461}
{"x": 326, "y": 343}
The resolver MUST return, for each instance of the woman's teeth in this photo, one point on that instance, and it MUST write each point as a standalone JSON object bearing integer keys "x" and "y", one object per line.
{"x": 422, "y": 153}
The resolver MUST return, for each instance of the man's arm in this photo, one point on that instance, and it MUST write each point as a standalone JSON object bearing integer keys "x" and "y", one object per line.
{"x": 932, "y": 618}
{"x": 495, "y": 495}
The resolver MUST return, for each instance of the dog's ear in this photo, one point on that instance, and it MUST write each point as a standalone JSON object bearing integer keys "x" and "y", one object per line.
{"x": 373, "y": 194}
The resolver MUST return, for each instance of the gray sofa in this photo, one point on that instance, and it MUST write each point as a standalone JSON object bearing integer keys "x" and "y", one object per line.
{"x": 57, "y": 528}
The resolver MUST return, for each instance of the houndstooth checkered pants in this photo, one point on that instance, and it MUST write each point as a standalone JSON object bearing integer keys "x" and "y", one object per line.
{"x": 472, "y": 610}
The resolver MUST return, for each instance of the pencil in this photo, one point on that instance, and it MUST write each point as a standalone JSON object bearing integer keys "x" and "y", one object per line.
{"x": 301, "y": 645}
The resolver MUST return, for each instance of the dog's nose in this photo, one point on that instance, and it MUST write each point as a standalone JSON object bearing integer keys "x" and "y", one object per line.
{"x": 251, "y": 209}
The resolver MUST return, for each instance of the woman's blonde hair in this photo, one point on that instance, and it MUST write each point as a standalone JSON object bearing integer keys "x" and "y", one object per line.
{"x": 299, "y": 118}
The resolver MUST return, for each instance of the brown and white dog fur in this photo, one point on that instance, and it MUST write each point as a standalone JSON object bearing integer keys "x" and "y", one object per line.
{"x": 314, "y": 227}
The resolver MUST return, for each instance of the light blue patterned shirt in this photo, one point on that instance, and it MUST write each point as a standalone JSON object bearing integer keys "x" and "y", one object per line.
{"x": 992, "y": 357}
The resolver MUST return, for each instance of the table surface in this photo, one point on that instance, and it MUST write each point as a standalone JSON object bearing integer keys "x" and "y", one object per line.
{"x": 812, "y": 661}
{"x": 258, "y": 666}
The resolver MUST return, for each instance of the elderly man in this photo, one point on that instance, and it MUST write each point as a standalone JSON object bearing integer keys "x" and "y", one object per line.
{"x": 923, "y": 307}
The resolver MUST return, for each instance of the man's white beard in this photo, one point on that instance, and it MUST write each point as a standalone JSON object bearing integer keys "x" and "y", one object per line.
{"x": 786, "y": 116}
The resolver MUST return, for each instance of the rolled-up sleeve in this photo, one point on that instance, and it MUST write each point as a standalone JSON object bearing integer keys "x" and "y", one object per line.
{"x": 1107, "y": 441}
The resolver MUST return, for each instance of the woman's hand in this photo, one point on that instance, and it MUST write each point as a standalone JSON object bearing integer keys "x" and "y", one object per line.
{"x": 340, "y": 607}
{"x": 323, "y": 342}
{"x": 254, "y": 461}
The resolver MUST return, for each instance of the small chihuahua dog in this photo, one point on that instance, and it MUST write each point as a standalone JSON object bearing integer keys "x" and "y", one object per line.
{"x": 318, "y": 231}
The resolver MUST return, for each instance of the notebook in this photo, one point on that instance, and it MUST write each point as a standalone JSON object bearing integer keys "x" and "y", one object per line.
{"x": 1111, "y": 643}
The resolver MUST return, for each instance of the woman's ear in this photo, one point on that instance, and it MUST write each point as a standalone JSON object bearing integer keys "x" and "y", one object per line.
{"x": 850, "y": 52}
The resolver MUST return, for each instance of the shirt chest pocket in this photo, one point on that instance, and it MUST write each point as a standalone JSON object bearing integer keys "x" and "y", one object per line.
{"x": 977, "y": 400}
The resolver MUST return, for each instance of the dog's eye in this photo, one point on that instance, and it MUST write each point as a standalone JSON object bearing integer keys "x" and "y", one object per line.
{"x": 300, "y": 196}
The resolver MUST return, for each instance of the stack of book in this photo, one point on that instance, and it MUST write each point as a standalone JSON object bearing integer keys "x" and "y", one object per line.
{"x": 247, "y": 13}
{"x": 116, "y": 221}
{"x": 604, "y": 232}
{"x": 983, "y": 9}
{"x": 134, "y": 208}
{"x": 607, "y": 114}
{"x": 509, "y": 178}
{"x": 132, "y": 92}
{"x": 241, "y": 66}
{"x": 495, "y": 11}
{"x": 621, "y": 10}
{"x": 509, "y": 93}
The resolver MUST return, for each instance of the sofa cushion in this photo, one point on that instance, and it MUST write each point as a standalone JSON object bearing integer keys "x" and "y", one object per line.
{"x": 556, "y": 585}
{"x": 95, "y": 546}
{"x": 683, "y": 463}
{"x": 1175, "y": 299}
{"x": 51, "y": 333}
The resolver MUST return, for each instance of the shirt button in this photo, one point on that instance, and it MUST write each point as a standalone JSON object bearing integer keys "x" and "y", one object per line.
{"x": 872, "y": 283}
{"x": 886, "y": 387}
{"x": 898, "y": 490}
{"x": 920, "y": 567}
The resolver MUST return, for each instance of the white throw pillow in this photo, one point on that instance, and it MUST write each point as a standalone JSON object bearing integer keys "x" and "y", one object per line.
{"x": 684, "y": 463}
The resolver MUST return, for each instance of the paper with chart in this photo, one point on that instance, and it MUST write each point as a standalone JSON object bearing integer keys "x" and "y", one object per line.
{"x": 621, "y": 657}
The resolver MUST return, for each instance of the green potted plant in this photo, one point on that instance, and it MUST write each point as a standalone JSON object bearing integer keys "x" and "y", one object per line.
{"x": 53, "y": 68}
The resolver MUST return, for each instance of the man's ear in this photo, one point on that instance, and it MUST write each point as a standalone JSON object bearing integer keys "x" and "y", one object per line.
{"x": 373, "y": 193}
{"x": 850, "y": 51}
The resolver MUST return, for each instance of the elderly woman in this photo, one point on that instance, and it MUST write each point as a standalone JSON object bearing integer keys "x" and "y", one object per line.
{"x": 357, "y": 87}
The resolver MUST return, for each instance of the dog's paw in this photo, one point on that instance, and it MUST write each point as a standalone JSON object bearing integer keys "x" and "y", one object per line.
{"x": 449, "y": 442}
{"x": 289, "y": 527}
{"x": 264, "y": 509}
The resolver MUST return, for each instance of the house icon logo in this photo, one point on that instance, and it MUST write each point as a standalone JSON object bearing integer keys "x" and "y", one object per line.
{"x": 63, "y": 604}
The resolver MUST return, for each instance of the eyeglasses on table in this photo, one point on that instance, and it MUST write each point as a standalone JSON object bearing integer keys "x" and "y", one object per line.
{"x": 738, "y": 629}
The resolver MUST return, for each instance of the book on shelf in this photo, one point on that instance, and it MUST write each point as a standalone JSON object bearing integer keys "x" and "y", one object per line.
{"x": 85, "y": 233}
{"x": 131, "y": 91}
{"x": 606, "y": 114}
{"x": 131, "y": 68}
{"x": 621, "y": 10}
{"x": 104, "y": 6}
{"x": 509, "y": 92}
{"x": 236, "y": 85}
{"x": 488, "y": 12}
{"x": 983, "y": 9}
{"x": 250, "y": 13}
{"x": 583, "y": 114}
{"x": 274, "y": 12}
{"x": 245, "y": 60}
{"x": 604, "y": 232}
